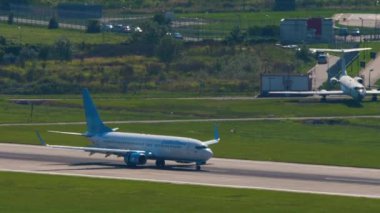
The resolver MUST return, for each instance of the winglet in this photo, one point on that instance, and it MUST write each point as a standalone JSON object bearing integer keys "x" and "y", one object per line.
{"x": 216, "y": 133}
{"x": 216, "y": 138}
{"x": 43, "y": 143}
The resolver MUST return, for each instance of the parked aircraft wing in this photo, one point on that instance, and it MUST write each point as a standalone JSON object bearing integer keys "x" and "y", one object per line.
{"x": 372, "y": 92}
{"x": 339, "y": 50}
{"x": 319, "y": 92}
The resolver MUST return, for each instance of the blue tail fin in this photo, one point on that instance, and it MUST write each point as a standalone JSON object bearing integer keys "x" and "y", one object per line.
{"x": 94, "y": 124}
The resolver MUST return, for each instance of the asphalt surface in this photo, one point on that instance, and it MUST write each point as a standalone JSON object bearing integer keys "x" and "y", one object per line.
{"x": 319, "y": 72}
{"x": 345, "y": 181}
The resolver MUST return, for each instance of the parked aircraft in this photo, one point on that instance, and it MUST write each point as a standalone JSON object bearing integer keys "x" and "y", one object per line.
{"x": 137, "y": 148}
{"x": 349, "y": 86}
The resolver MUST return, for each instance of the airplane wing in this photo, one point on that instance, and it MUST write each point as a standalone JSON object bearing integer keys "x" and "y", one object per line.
{"x": 68, "y": 133}
{"x": 372, "y": 92}
{"x": 319, "y": 92}
{"x": 106, "y": 151}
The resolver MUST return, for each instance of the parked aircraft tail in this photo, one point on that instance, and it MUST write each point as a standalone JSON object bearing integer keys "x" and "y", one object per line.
{"x": 343, "y": 51}
{"x": 94, "y": 124}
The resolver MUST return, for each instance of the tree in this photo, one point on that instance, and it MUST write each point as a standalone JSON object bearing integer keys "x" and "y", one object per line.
{"x": 151, "y": 33}
{"x": 10, "y": 18}
{"x": 126, "y": 75}
{"x": 53, "y": 23}
{"x": 304, "y": 54}
{"x": 161, "y": 19}
{"x": 167, "y": 49}
{"x": 236, "y": 36}
{"x": 63, "y": 49}
{"x": 93, "y": 26}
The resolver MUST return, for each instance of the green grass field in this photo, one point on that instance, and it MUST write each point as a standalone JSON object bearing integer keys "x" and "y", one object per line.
{"x": 130, "y": 108}
{"x": 27, "y": 34}
{"x": 338, "y": 142}
{"x": 44, "y": 193}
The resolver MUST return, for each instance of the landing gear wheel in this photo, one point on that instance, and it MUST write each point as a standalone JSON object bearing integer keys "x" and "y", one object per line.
{"x": 160, "y": 163}
{"x": 323, "y": 99}
{"x": 374, "y": 98}
{"x": 198, "y": 167}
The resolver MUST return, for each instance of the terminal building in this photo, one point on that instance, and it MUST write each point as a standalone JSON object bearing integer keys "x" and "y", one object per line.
{"x": 312, "y": 30}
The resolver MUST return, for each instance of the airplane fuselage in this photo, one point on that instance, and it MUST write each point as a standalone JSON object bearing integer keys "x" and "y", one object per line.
{"x": 162, "y": 147}
{"x": 352, "y": 87}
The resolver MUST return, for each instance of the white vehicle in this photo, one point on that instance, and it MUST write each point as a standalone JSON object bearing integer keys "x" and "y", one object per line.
{"x": 349, "y": 86}
{"x": 138, "y": 148}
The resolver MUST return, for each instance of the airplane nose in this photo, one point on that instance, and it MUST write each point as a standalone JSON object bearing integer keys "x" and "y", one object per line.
{"x": 209, "y": 153}
{"x": 362, "y": 94}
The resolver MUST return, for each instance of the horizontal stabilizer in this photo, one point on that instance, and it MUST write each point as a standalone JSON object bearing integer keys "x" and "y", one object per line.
{"x": 339, "y": 50}
{"x": 320, "y": 92}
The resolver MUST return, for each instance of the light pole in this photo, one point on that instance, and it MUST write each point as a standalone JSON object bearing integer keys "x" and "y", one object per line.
{"x": 361, "y": 29}
{"x": 19, "y": 34}
{"x": 369, "y": 78}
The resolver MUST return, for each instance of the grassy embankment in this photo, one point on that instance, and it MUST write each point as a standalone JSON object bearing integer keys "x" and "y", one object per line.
{"x": 135, "y": 108}
{"x": 43, "y": 193}
{"x": 27, "y": 34}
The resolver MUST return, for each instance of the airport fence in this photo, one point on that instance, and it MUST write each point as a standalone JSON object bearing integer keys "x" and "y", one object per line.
{"x": 196, "y": 29}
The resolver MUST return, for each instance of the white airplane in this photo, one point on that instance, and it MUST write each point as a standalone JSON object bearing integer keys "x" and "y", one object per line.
{"x": 135, "y": 148}
{"x": 349, "y": 86}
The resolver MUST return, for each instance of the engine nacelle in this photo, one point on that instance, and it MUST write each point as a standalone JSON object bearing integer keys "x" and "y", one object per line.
{"x": 358, "y": 79}
{"x": 134, "y": 159}
{"x": 334, "y": 80}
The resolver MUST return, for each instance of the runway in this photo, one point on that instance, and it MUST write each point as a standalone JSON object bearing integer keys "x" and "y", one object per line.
{"x": 332, "y": 180}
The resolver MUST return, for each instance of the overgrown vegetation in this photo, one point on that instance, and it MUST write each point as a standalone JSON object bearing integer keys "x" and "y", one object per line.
{"x": 202, "y": 69}
{"x": 151, "y": 59}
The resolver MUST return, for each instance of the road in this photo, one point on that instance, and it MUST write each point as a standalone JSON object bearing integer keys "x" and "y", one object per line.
{"x": 319, "y": 72}
{"x": 332, "y": 180}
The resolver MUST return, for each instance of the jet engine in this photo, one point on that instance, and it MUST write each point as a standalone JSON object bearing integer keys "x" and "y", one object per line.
{"x": 358, "y": 79}
{"x": 134, "y": 159}
{"x": 334, "y": 80}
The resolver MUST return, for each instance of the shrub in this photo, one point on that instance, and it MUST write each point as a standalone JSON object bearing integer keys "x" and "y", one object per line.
{"x": 167, "y": 49}
{"x": 53, "y": 23}
{"x": 10, "y": 18}
{"x": 93, "y": 26}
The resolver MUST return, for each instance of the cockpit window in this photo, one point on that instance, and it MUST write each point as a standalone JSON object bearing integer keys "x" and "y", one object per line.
{"x": 201, "y": 147}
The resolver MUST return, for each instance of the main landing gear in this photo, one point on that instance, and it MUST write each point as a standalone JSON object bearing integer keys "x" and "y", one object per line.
{"x": 374, "y": 97}
{"x": 198, "y": 167}
{"x": 160, "y": 163}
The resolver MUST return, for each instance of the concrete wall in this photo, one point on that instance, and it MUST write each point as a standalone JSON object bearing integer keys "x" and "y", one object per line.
{"x": 284, "y": 82}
